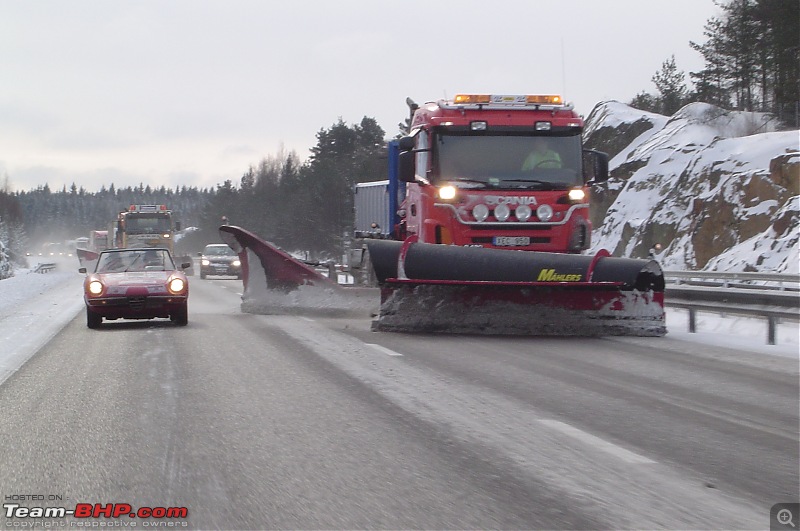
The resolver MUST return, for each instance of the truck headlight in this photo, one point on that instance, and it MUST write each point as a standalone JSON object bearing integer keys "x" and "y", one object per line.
{"x": 577, "y": 195}
{"x": 447, "y": 192}
{"x": 205, "y": 262}
{"x": 236, "y": 263}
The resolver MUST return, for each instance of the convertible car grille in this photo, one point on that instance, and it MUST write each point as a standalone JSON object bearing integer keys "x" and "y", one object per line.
{"x": 136, "y": 303}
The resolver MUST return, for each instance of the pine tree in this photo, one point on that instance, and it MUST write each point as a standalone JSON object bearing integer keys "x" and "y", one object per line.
{"x": 671, "y": 85}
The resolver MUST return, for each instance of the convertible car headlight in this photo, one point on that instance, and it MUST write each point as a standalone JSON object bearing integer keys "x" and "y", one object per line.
{"x": 176, "y": 285}
{"x": 95, "y": 287}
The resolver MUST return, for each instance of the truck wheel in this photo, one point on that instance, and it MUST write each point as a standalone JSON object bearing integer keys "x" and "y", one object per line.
{"x": 93, "y": 320}
{"x": 202, "y": 276}
{"x": 181, "y": 316}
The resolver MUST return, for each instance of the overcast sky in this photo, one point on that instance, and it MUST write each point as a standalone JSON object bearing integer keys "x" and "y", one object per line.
{"x": 193, "y": 92}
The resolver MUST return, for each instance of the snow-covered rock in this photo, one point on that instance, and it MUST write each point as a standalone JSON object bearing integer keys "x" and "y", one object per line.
{"x": 717, "y": 189}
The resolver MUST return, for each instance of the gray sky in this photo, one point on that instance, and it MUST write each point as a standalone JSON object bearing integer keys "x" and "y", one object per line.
{"x": 193, "y": 92}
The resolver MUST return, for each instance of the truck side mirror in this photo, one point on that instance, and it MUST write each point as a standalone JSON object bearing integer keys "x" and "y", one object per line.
{"x": 595, "y": 166}
{"x": 405, "y": 166}
{"x": 406, "y": 143}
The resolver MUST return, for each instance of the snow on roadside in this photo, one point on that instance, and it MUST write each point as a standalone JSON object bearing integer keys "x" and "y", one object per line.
{"x": 33, "y": 309}
{"x": 735, "y": 332}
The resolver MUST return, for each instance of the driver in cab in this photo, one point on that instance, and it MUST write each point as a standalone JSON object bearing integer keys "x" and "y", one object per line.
{"x": 542, "y": 156}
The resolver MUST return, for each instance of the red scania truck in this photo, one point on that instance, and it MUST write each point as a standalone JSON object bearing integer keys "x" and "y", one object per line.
{"x": 497, "y": 171}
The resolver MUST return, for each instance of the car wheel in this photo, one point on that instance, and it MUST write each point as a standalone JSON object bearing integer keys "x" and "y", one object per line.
{"x": 181, "y": 316}
{"x": 93, "y": 320}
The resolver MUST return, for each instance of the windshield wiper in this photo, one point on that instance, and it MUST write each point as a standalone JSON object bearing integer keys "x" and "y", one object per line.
{"x": 131, "y": 264}
{"x": 468, "y": 180}
{"x": 544, "y": 184}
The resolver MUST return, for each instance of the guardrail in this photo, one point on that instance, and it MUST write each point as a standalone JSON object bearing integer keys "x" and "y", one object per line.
{"x": 779, "y": 281}
{"x": 773, "y": 303}
{"x": 44, "y": 268}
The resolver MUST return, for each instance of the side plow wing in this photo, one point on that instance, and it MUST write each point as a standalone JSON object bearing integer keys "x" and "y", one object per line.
{"x": 87, "y": 258}
{"x": 442, "y": 288}
{"x": 277, "y": 283}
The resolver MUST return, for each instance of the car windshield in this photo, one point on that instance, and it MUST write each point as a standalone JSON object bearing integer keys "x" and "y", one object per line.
{"x": 218, "y": 250}
{"x": 508, "y": 161}
{"x": 126, "y": 260}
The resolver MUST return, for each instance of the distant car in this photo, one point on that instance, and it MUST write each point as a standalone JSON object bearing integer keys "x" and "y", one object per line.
{"x": 219, "y": 259}
{"x": 141, "y": 283}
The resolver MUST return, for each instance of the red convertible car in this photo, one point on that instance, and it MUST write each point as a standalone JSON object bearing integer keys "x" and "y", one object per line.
{"x": 141, "y": 283}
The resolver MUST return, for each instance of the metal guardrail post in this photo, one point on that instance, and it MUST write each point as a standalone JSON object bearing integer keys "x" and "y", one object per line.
{"x": 692, "y": 320}
{"x": 771, "y": 321}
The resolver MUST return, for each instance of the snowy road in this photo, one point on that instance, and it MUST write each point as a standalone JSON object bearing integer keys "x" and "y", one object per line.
{"x": 289, "y": 422}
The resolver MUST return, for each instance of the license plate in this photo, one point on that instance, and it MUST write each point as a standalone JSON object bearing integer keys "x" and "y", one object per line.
{"x": 511, "y": 241}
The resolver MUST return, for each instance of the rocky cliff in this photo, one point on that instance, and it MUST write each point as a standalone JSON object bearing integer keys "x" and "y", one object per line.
{"x": 719, "y": 190}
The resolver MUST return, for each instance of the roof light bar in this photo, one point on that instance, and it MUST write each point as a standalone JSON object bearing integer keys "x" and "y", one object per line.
{"x": 509, "y": 99}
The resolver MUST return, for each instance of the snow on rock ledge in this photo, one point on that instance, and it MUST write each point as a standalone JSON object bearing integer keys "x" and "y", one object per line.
{"x": 718, "y": 189}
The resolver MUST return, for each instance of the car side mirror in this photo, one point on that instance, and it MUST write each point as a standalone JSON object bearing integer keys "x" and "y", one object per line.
{"x": 82, "y": 270}
{"x": 186, "y": 265}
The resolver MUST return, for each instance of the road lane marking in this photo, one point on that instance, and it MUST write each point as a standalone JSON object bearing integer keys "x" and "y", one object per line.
{"x": 383, "y": 349}
{"x": 597, "y": 442}
{"x": 309, "y": 319}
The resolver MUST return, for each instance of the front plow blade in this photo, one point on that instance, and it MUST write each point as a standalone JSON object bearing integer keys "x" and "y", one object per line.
{"x": 440, "y": 288}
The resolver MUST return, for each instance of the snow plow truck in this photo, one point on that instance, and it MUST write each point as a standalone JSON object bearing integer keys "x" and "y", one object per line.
{"x": 488, "y": 214}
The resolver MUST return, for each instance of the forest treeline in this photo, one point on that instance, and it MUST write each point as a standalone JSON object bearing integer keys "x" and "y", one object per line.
{"x": 296, "y": 205}
{"x": 752, "y": 62}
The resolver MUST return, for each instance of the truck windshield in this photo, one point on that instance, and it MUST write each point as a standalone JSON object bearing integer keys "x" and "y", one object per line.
{"x": 153, "y": 224}
{"x": 508, "y": 161}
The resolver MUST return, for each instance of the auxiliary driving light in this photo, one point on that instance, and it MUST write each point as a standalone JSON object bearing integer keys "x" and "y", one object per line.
{"x": 544, "y": 212}
{"x": 501, "y": 212}
{"x": 523, "y": 212}
{"x": 480, "y": 212}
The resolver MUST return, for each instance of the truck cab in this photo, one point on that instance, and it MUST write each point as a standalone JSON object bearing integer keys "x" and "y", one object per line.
{"x": 501, "y": 171}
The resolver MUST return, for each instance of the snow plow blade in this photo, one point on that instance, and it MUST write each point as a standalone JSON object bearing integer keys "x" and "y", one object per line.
{"x": 470, "y": 290}
{"x": 276, "y": 283}
{"x": 87, "y": 258}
